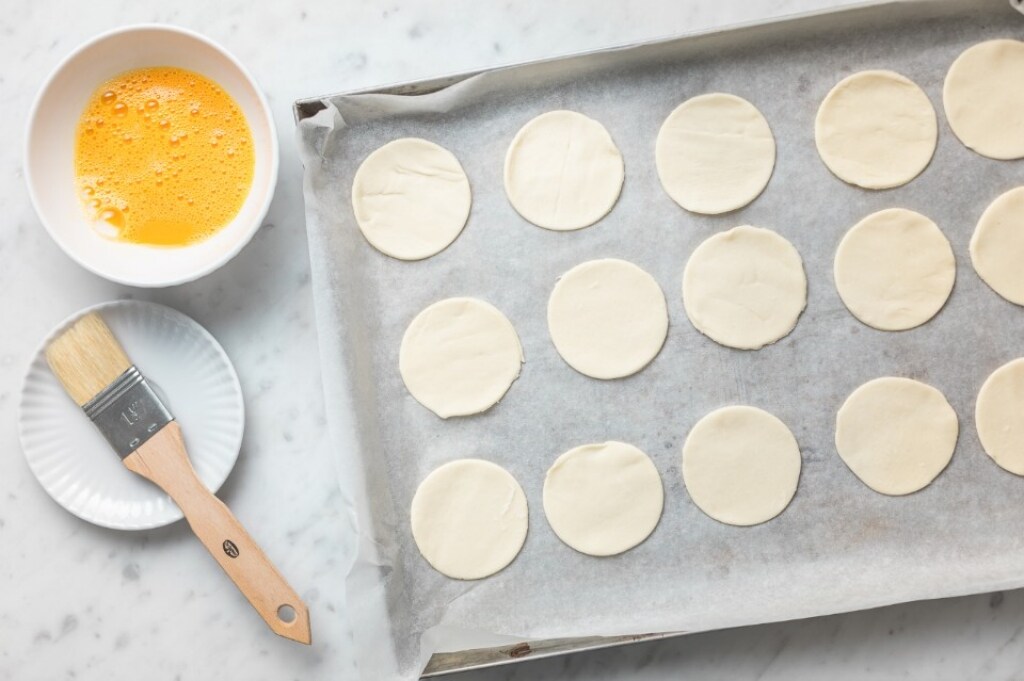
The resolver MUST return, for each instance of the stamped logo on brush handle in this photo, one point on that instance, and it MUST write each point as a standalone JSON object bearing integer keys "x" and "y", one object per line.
{"x": 230, "y": 548}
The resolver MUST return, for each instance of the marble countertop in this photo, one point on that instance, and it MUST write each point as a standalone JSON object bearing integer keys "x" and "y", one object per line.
{"x": 81, "y": 602}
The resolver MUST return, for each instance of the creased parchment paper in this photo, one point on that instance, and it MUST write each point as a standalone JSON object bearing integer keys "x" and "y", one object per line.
{"x": 839, "y": 546}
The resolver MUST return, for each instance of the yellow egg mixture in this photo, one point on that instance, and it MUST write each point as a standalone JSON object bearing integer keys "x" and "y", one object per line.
{"x": 163, "y": 156}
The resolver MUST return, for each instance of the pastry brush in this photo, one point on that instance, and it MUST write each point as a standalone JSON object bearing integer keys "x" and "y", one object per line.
{"x": 97, "y": 374}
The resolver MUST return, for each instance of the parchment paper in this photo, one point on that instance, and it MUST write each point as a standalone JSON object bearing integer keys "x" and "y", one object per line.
{"x": 839, "y": 546}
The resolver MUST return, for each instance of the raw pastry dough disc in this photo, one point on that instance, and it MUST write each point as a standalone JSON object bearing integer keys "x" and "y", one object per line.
{"x": 603, "y": 499}
{"x": 999, "y": 415}
{"x": 741, "y": 465}
{"x": 896, "y": 434}
{"x": 876, "y": 129}
{"x": 563, "y": 171}
{"x": 459, "y": 356}
{"x": 983, "y": 98}
{"x": 411, "y": 198}
{"x": 745, "y": 288}
{"x": 997, "y": 247}
{"x": 607, "y": 318}
{"x": 715, "y": 153}
{"x": 894, "y": 269}
{"x": 469, "y": 518}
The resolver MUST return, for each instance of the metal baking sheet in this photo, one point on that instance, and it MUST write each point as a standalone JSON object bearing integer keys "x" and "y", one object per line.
{"x": 839, "y": 546}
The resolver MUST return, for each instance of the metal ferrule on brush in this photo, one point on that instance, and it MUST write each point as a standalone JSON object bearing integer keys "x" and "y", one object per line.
{"x": 128, "y": 412}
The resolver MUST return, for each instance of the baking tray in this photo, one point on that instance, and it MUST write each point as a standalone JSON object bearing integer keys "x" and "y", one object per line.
{"x": 919, "y": 38}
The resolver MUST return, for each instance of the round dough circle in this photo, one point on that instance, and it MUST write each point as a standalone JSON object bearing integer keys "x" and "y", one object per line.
{"x": 745, "y": 288}
{"x": 983, "y": 98}
{"x": 715, "y": 153}
{"x": 876, "y": 129}
{"x": 411, "y": 198}
{"x": 459, "y": 356}
{"x": 607, "y": 318}
{"x": 997, "y": 246}
{"x": 896, "y": 434}
{"x": 603, "y": 499}
{"x": 563, "y": 171}
{"x": 741, "y": 465}
{"x": 894, "y": 269}
{"x": 998, "y": 416}
{"x": 469, "y": 518}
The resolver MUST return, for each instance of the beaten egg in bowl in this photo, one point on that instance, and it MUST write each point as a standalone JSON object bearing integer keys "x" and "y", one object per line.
{"x": 163, "y": 156}
{"x": 111, "y": 201}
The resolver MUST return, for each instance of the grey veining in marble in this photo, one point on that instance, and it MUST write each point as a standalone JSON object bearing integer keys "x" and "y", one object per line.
{"x": 82, "y": 602}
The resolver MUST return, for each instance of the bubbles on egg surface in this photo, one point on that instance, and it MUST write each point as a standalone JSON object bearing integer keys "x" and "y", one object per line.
{"x": 112, "y": 216}
{"x": 182, "y": 196}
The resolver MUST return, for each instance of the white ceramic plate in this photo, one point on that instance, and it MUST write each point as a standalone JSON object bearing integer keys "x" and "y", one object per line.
{"x": 191, "y": 374}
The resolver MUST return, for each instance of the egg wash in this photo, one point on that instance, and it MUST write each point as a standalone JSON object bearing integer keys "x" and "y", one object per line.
{"x": 163, "y": 157}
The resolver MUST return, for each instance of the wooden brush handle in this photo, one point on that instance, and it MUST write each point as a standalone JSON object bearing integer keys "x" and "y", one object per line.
{"x": 163, "y": 460}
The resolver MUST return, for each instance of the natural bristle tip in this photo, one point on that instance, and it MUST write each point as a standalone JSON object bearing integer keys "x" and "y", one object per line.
{"x": 86, "y": 358}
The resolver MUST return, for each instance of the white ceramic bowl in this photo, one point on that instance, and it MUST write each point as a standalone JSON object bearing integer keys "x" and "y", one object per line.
{"x": 50, "y": 144}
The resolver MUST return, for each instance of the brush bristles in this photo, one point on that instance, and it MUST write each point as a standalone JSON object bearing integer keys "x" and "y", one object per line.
{"x": 86, "y": 358}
